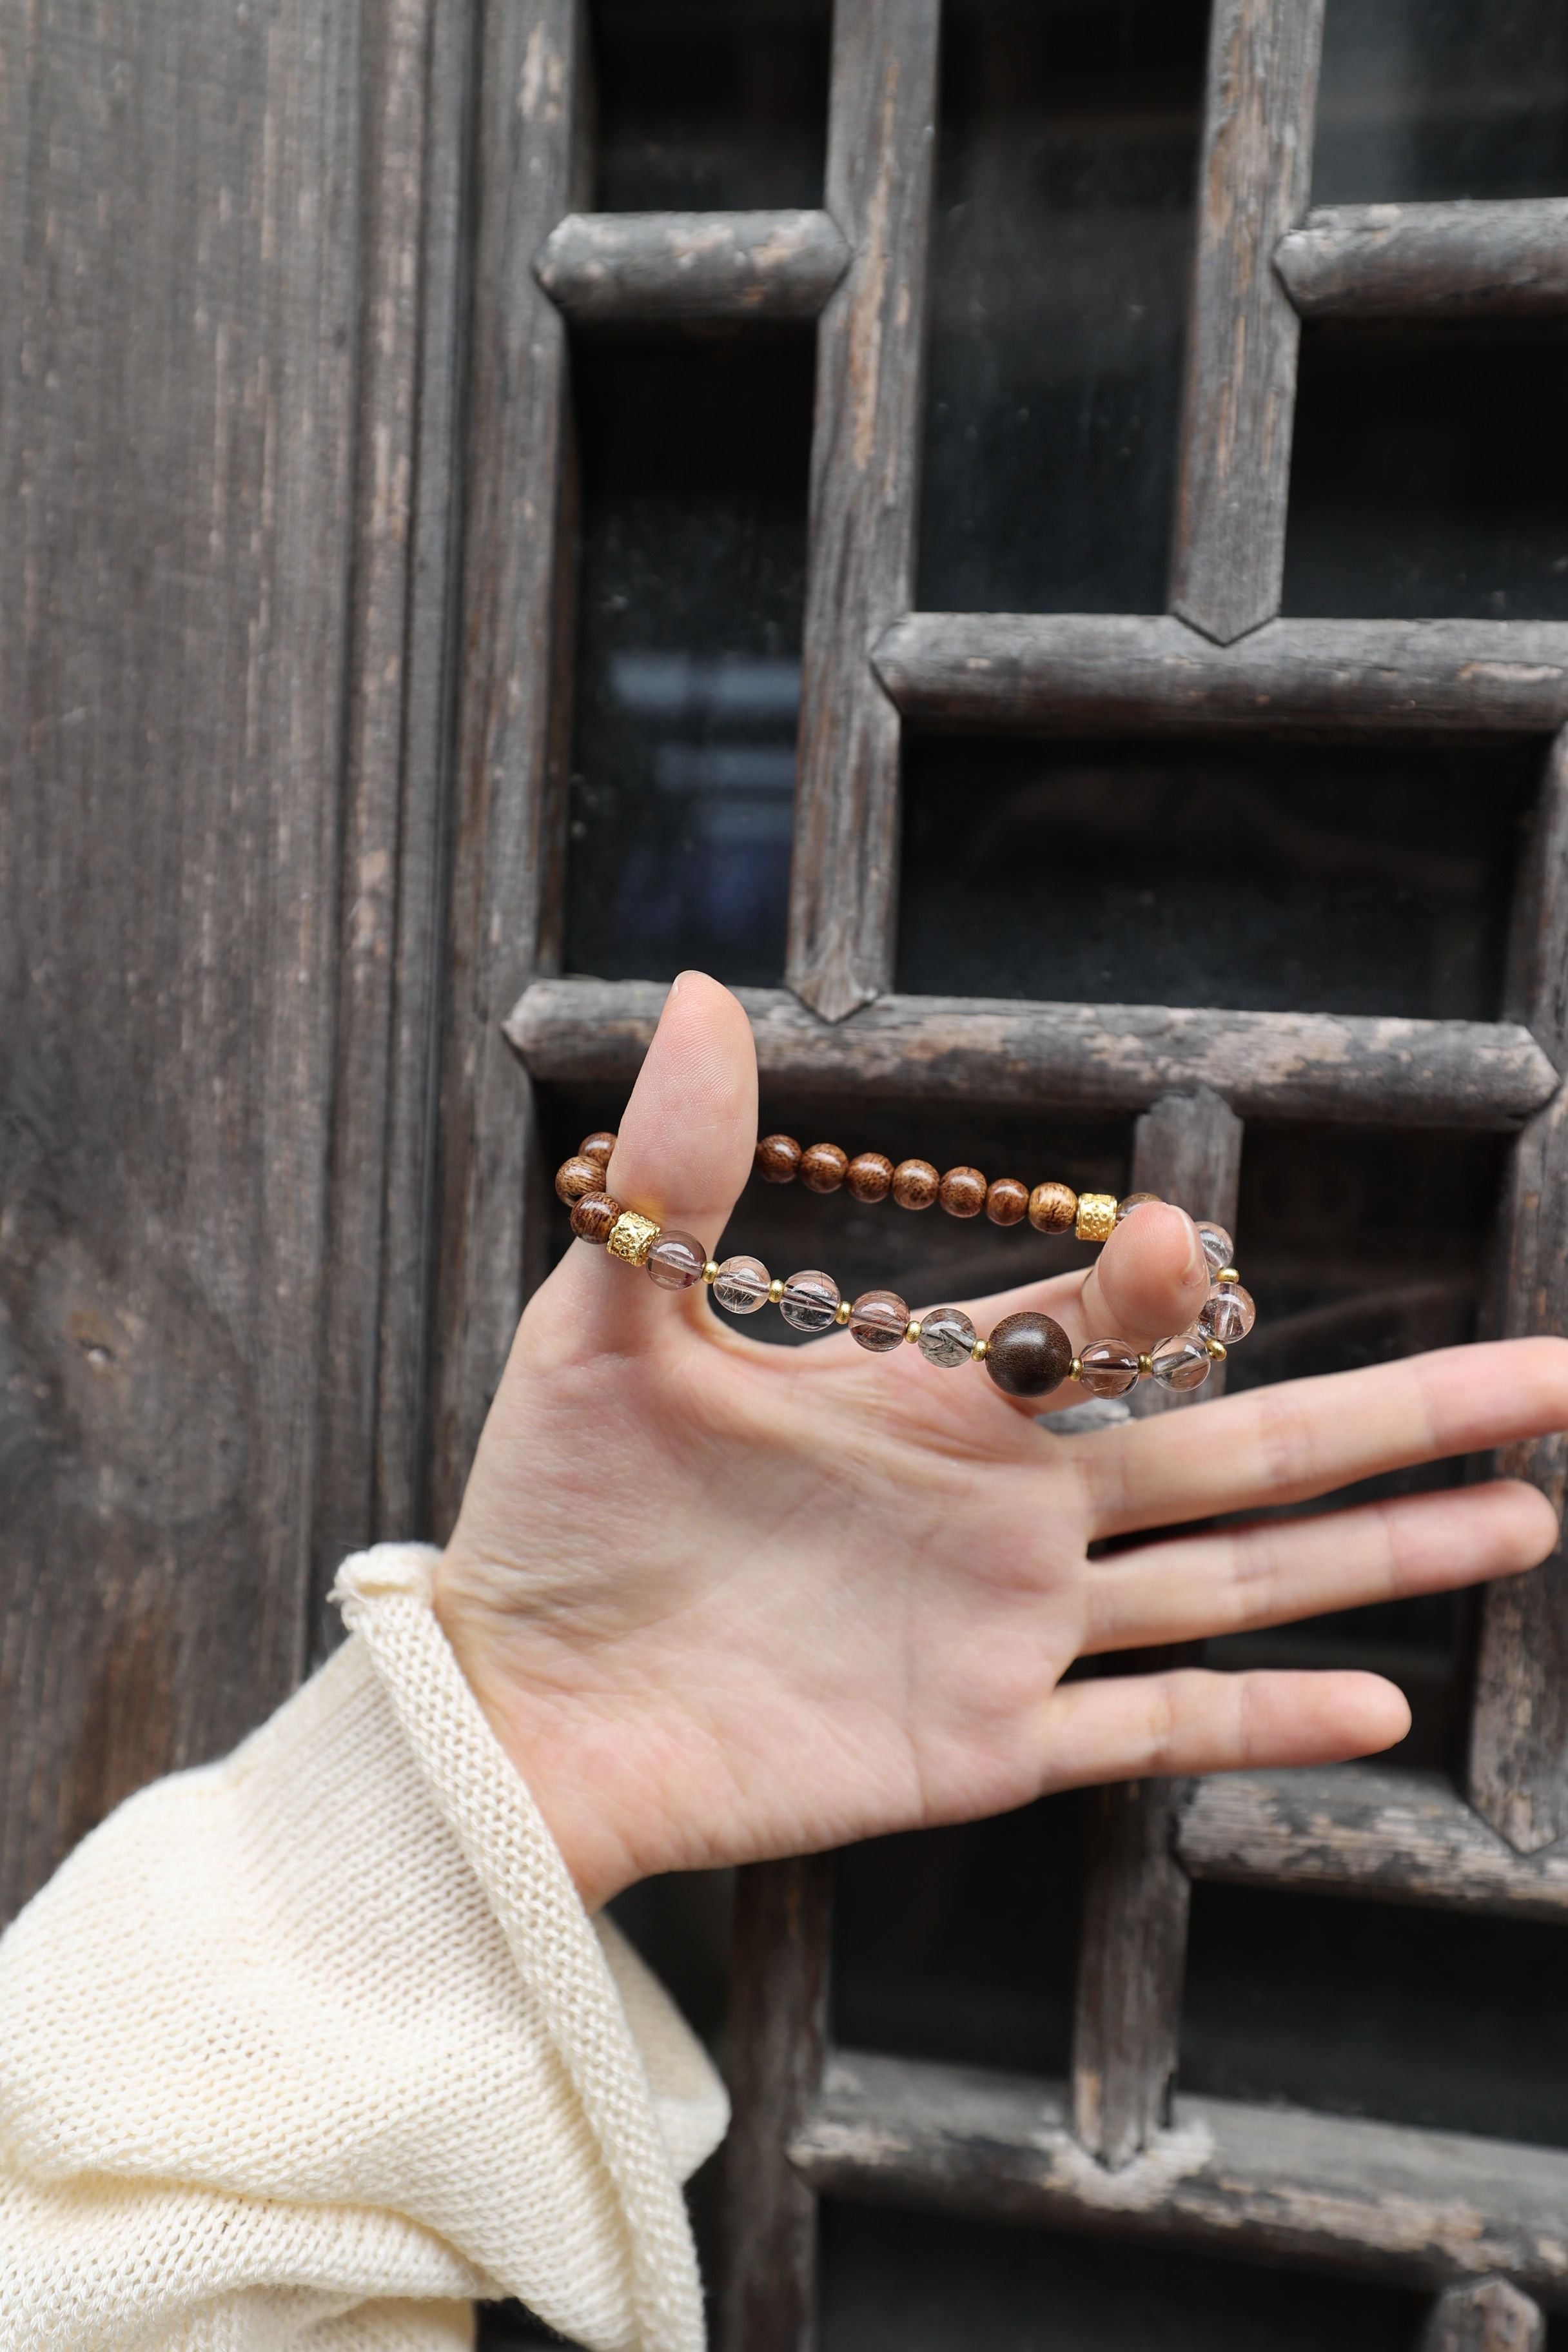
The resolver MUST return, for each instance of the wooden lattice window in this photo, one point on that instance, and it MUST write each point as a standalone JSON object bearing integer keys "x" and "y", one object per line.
{"x": 1252, "y": 892}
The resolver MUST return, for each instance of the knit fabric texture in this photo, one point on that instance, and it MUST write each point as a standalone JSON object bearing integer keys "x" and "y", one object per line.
{"x": 313, "y": 2047}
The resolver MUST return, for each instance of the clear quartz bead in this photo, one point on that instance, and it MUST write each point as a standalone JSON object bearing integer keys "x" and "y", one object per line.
{"x": 740, "y": 1284}
{"x": 810, "y": 1301}
{"x": 879, "y": 1321}
{"x": 1228, "y": 1313}
{"x": 947, "y": 1337}
{"x": 1108, "y": 1368}
{"x": 1179, "y": 1364}
{"x": 1219, "y": 1247}
{"x": 1133, "y": 1201}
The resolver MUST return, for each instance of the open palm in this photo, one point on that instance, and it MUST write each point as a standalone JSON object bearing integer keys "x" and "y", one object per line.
{"x": 723, "y": 1600}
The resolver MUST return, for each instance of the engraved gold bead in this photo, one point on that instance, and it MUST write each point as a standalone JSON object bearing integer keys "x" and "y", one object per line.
{"x": 1145, "y": 1366}
{"x": 912, "y": 1333}
{"x": 632, "y": 1236}
{"x": 841, "y": 1313}
{"x": 1096, "y": 1216}
{"x": 1217, "y": 1349}
{"x": 1228, "y": 1274}
{"x": 979, "y": 1351}
{"x": 776, "y": 1291}
{"x": 711, "y": 1270}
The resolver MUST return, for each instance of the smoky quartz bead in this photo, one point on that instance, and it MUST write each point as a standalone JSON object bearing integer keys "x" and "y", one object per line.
{"x": 675, "y": 1262}
{"x": 810, "y": 1301}
{"x": 1219, "y": 1247}
{"x": 947, "y": 1337}
{"x": 1108, "y": 1368}
{"x": 1179, "y": 1364}
{"x": 740, "y": 1284}
{"x": 1228, "y": 1313}
{"x": 1028, "y": 1355}
{"x": 877, "y": 1320}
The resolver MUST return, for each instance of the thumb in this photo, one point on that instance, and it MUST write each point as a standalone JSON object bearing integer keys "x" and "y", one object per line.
{"x": 684, "y": 1148}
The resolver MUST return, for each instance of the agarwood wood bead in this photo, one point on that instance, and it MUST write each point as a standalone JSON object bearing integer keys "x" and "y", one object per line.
{"x": 915, "y": 1185}
{"x": 869, "y": 1176}
{"x": 777, "y": 1157}
{"x": 593, "y": 1217}
{"x": 597, "y": 1147}
{"x": 1053, "y": 1208}
{"x": 1028, "y": 1355}
{"x": 1006, "y": 1200}
{"x": 962, "y": 1192}
{"x": 822, "y": 1167}
{"x": 576, "y": 1177}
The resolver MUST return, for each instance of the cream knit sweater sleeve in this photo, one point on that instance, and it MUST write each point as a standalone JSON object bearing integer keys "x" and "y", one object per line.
{"x": 311, "y": 2047}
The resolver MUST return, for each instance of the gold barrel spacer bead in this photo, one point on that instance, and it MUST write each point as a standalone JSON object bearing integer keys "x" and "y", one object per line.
{"x": 711, "y": 1270}
{"x": 979, "y": 1352}
{"x": 842, "y": 1312}
{"x": 912, "y": 1330}
{"x": 1217, "y": 1349}
{"x": 1228, "y": 1274}
{"x": 1075, "y": 1370}
{"x": 632, "y": 1236}
{"x": 1145, "y": 1366}
{"x": 1096, "y": 1216}
{"x": 776, "y": 1291}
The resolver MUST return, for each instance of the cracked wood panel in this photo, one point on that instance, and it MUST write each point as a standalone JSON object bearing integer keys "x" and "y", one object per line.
{"x": 178, "y": 225}
{"x": 1228, "y": 548}
{"x": 1467, "y": 260}
{"x": 1416, "y": 2208}
{"x": 1128, "y": 672}
{"x": 505, "y": 890}
{"x": 870, "y": 356}
{"x": 682, "y": 265}
{"x": 975, "y": 1049}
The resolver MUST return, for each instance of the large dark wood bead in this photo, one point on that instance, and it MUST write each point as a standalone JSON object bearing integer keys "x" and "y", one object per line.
{"x": 962, "y": 1192}
{"x": 869, "y": 1176}
{"x": 1028, "y": 1355}
{"x": 777, "y": 1157}
{"x": 1006, "y": 1200}
{"x": 597, "y": 1147}
{"x": 593, "y": 1217}
{"x": 1053, "y": 1208}
{"x": 822, "y": 1167}
{"x": 915, "y": 1185}
{"x": 576, "y": 1177}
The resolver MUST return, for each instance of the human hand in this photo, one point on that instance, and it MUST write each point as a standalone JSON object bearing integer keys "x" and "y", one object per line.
{"x": 722, "y": 1601}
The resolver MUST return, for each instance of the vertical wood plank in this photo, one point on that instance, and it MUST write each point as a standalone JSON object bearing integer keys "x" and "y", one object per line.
{"x": 1133, "y": 1956}
{"x": 178, "y": 203}
{"x": 1519, "y": 1725}
{"x": 1228, "y": 547}
{"x": 864, "y": 462}
{"x": 777, "y": 2035}
{"x": 1493, "y": 2316}
{"x": 504, "y": 859}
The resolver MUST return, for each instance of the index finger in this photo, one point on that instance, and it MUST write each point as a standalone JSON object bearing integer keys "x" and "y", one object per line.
{"x": 1304, "y": 1438}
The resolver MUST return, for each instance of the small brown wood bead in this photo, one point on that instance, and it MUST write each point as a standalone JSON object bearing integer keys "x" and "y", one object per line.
{"x": 597, "y": 1147}
{"x": 1027, "y": 1354}
{"x": 869, "y": 1176}
{"x": 576, "y": 1177}
{"x": 1053, "y": 1208}
{"x": 962, "y": 1192}
{"x": 915, "y": 1185}
{"x": 593, "y": 1217}
{"x": 777, "y": 1157}
{"x": 822, "y": 1167}
{"x": 1006, "y": 1200}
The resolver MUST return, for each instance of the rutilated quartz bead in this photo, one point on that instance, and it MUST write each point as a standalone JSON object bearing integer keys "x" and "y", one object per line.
{"x": 915, "y": 1185}
{"x": 1053, "y": 1208}
{"x": 962, "y": 1192}
{"x": 810, "y": 1301}
{"x": 576, "y": 1177}
{"x": 1006, "y": 1200}
{"x": 1227, "y": 1314}
{"x": 1219, "y": 1247}
{"x": 595, "y": 1216}
{"x": 1133, "y": 1201}
{"x": 1179, "y": 1364}
{"x": 597, "y": 1147}
{"x": 822, "y": 1167}
{"x": 869, "y": 1176}
{"x": 877, "y": 1320}
{"x": 777, "y": 1157}
{"x": 740, "y": 1284}
{"x": 1108, "y": 1368}
{"x": 947, "y": 1337}
{"x": 1027, "y": 1354}
{"x": 676, "y": 1261}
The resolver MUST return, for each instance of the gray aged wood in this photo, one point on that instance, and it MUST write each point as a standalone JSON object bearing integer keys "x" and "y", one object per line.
{"x": 864, "y": 478}
{"x": 1228, "y": 548}
{"x": 776, "y": 2037}
{"x": 178, "y": 191}
{"x": 675, "y": 266}
{"x": 1518, "y": 1728}
{"x": 1107, "y": 1057}
{"x": 507, "y": 830}
{"x": 1423, "y": 2208}
{"x": 1130, "y": 673}
{"x": 1463, "y": 260}
{"x": 1368, "y": 1830}
{"x": 1491, "y": 2317}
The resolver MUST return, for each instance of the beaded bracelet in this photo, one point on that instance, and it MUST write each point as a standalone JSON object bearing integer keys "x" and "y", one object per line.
{"x": 1027, "y": 1355}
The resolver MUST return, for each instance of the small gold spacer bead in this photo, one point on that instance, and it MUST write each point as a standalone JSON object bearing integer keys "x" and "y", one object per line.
{"x": 1228, "y": 1274}
{"x": 841, "y": 1312}
{"x": 775, "y": 1290}
{"x": 1096, "y": 1216}
{"x": 1217, "y": 1349}
{"x": 1145, "y": 1366}
{"x": 1075, "y": 1370}
{"x": 912, "y": 1330}
{"x": 711, "y": 1270}
{"x": 979, "y": 1352}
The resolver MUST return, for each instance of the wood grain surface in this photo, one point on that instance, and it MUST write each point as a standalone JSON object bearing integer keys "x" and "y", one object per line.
{"x": 676, "y": 266}
{"x": 1470, "y": 260}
